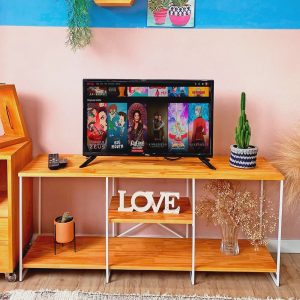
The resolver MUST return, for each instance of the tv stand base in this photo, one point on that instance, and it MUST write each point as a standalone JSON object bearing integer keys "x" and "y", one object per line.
{"x": 89, "y": 160}
{"x": 205, "y": 160}
{"x": 172, "y": 158}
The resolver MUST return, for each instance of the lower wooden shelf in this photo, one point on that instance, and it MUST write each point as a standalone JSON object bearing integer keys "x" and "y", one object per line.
{"x": 90, "y": 254}
{"x": 147, "y": 254}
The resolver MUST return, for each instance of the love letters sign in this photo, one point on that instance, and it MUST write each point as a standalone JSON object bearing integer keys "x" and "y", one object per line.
{"x": 167, "y": 197}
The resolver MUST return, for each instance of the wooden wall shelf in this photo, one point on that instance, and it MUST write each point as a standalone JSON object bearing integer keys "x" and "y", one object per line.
{"x": 114, "y": 2}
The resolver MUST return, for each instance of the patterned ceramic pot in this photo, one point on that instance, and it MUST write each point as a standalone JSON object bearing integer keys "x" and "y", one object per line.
{"x": 180, "y": 15}
{"x": 160, "y": 16}
{"x": 243, "y": 158}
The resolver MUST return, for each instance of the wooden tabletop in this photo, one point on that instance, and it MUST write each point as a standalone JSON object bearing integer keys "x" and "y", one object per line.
{"x": 150, "y": 167}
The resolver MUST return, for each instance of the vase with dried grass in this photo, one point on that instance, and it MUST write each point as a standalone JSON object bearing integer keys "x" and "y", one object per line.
{"x": 237, "y": 210}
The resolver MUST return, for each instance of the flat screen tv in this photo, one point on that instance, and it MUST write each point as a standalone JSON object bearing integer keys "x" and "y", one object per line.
{"x": 168, "y": 118}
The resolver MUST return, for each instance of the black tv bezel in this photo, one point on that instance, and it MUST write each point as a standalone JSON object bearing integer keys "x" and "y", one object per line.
{"x": 149, "y": 83}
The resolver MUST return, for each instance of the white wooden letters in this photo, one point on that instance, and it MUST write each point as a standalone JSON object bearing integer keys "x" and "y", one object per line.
{"x": 167, "y": 197}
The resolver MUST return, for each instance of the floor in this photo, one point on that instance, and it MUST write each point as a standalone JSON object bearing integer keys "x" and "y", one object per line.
{"x": 176, "y": 283}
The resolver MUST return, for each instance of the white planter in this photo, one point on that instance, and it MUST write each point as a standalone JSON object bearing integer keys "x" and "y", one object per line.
{"x": 243, "y": 158}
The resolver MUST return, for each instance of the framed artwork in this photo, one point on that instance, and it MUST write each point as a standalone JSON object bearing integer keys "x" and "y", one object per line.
{"x": 170, "y": 13}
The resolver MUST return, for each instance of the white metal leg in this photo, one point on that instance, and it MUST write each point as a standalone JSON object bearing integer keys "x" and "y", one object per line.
{"x": 193, "y": 229}
{"x": 261, "y": 205}
{"x": 113, "y": 186}
{"x": 106, "y": 230}
{"x": 187, "y": 188}
{"x": 170, "y": 230}
{"x": 131, "y": 229}
{"x": 187, "y": 230}
{"x": 20, "y": 229}
{"x": 276, "y": 277}
{"x": 40, "y": 207}
{"x": 113, "y": 234}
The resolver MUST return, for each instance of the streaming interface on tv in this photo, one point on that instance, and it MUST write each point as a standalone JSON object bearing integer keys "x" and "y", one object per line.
{"x": 155, "y": 119}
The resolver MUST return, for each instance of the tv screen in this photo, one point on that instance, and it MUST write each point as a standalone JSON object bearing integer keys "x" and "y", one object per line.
{"x": 171, "y": 118}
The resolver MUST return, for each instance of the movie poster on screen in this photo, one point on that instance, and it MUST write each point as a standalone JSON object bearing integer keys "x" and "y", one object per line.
{"x": 117, "y": 127}
{"x": 168, "y": 13}
{"x": 158, "y": 91}
{"x": 96, "y": 126}
{"x": 178, "y": 127}
{"x": 137, "y": 127}
{"x": 177, "y": 91}
{"x": 96, "y": 91}
{"x": 138, "y": 91}
{"x": 116, "y": 91}
{"x": 199, "y": 91}
{"x": 157, "y": 127}
{"x": 198, "y": 127}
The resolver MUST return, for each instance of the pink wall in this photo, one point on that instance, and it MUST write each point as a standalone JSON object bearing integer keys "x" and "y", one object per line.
{"x": 265, "y": 64}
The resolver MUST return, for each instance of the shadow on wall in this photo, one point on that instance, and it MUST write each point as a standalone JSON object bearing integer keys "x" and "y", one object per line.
{"x": 33, "y": 111}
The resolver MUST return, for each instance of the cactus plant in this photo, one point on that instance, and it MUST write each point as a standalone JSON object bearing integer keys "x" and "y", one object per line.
{"x": 66, "y": 217}
{"x": 243, "y": 130}
{"x": 156, "y": 5}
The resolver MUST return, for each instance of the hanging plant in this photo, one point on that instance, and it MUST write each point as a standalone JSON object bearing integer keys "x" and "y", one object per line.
{"x": 79, "y": 32}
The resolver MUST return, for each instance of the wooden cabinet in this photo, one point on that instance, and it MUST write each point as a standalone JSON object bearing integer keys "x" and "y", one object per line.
{"x": 12, "y": 160}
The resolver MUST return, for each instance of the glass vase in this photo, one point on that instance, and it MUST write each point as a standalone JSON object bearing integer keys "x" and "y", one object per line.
{"x": 229, "y": 244}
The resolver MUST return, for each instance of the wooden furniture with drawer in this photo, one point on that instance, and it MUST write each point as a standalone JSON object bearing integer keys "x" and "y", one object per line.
{"x": 12, "y": 160}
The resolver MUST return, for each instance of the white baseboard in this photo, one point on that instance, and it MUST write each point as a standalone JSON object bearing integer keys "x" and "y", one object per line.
{"x": 287, "y": 246}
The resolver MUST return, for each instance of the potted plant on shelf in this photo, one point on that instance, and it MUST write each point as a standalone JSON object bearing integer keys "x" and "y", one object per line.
{"x": 159, "y": 9}
{"x": 243, "y": 155}
{"x": 64, "y": 230}
{"x": 180, "y": 12}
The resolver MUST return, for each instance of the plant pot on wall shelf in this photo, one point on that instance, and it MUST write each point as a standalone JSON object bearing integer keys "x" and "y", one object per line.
{"x": 180, "y": 12}
{"x": 160, "y": 16}
{"x": 114, "y": 2}
{"x": 180, "y": 15}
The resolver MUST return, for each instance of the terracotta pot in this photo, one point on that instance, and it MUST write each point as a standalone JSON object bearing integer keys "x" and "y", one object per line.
{"x": 180, "y": 15}
{"x": 160, "y": 16}
{"x": 64, "y": 231}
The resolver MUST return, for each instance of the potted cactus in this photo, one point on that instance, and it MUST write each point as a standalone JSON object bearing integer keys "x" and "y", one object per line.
{"x": 159, "y": 8}
{"x": 64, "y": 230}
{"x": 243, "y": 155}
{"x": 180, "y": 12}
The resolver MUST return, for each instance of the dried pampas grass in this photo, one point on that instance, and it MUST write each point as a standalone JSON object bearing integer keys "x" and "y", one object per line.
{"x": 287, "y": 159}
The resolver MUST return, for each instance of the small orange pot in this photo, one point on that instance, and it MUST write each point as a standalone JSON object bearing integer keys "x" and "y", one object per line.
{"x": 64, "y": 232}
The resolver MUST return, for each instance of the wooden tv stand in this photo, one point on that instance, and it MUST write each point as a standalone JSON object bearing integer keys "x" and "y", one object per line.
{"x": 133, "y": 253}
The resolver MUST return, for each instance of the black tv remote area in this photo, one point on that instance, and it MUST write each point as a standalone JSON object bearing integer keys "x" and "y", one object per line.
{"x": 54, "y": 163}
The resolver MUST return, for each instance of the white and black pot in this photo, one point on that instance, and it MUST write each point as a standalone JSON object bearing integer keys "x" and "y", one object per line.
{"x": 243, "y": 158}
{"x": 180, "y": 15}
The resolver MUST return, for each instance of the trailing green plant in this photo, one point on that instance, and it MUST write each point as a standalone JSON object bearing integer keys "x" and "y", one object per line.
{"x": 66, "y": 217}
{"x": 79, "y": 32}
{"x": 179, "y": 2}
{"x": 156, "y": 5}
{"x": 243, "y": 130}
